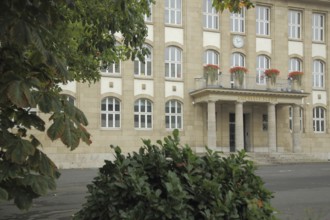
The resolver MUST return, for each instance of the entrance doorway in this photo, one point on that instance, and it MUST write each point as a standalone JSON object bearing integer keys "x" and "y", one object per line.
{"x": 246, "y": 130}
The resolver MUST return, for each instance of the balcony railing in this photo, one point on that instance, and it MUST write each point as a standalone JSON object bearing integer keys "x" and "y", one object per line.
{"x": 227, "y": 81}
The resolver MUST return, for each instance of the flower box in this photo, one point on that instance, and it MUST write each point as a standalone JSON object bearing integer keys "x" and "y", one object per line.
{"x": 211, "y": 72}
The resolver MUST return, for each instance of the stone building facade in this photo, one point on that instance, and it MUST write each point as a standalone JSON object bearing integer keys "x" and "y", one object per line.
{"x": 135, "y": 100}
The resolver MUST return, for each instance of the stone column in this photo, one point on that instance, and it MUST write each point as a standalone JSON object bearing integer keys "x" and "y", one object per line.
{"x": 296, "y": 134}
{"x": 239, "y": 130}
{"x": 211, "y": 125}
{"x": 272, "y": 128}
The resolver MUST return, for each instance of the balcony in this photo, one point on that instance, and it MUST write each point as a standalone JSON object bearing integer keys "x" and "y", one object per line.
{"x": 227, "y": 81}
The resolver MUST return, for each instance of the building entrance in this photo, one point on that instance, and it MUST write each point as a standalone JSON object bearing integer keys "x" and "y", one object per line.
{"x": 232, "y": 132}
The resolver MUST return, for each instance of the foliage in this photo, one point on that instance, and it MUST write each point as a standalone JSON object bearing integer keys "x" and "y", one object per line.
{"x": 296, "y": 75}
{"x": 211, "y": 72}
{"x": 272, "y": 74}
{"x": 232, "y": 5}
{"x": 43, "y": 44}
{"x": 169, "y": 181}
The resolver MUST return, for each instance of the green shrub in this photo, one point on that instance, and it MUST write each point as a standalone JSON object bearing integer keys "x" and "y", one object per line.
{"x": 169, "y": 181}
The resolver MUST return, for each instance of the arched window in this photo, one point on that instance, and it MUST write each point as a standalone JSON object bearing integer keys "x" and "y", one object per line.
{"x": 318, "y": 74}
{"x": 173, "y": 60}
{"x": 144, "y": 68}
{"x": 319, "y": 119}
{"x": 107, "y": 67}
{"x": 142, "y": 113}
{"x": 210, "y": 15}
{"x": 237, "y": 59}
{"x": 173, "y": 114}
{"x": 263, "y": 63}
{"x": 211, "y": 57}
{"x": 295, "y": 64}
{"x": 110, "y": 113}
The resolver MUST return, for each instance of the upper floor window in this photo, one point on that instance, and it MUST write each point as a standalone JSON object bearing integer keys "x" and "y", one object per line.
{"x": 263, "y": 63}
{"x": 319, "y": 120}
{"x": 210, "y": 15}
{"x": 173, "y": 12}
{"x": 294, "y": 23}
{"x": 237, "y": 59}
{"x": 144, "y": 68}
{"x": 146, "y": 17}
{"x": 211, "y": 57}
{"x": 110, "y": 67}
{"x": 237, "y": 22}
{"x": 295, "y": 65}
{"x": 262, "y": 20}
{"x": 318, "y": 74}
{"x": 69, "y": 98}
{"x": 318, "y": 27}
{"x": 110, "y": 113}
{"x": 173, "y": 59}
{"x": 173, "y": 114}
{"x": 142, "y": 113}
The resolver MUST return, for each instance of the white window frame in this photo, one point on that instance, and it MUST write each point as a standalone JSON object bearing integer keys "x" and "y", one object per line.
{"x": 110, "y": 68}
{"x": 263, "y": 63}
{"x": 173, "y": 114}
{"x": 110, "y": 112}
{"x": 143, "y": 114}
{"x": 146, "y": 17}
{"x": 173, "y": 12}
{"x": 211, "y": 57}
{"x": 318, "y": 74}
{"x": 263, "y": 20}
{"x": 237, "y": 59}
{"x": 237, "y": 22}
{"x": 295, "y": 64}
{"x": 318, "y": 24}
{"x": 319, "y": 120}
{"x": 144, "y": 68}
{"x": 295, "y": 24}
{"x": 173, "y": 62}
{"x": 210, "y": 15}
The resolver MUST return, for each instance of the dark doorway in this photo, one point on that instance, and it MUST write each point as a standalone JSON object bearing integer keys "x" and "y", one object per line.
{"x": 232, "y": 132}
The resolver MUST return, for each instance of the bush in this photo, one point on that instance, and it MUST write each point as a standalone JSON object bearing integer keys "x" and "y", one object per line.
{"x": 169, "y": 181}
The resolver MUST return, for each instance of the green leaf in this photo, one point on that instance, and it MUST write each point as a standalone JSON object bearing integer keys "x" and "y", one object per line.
{"x": 56, "y": 130}
{"x": 70, "y": 136}
{"x": 3, "y": 194}
{"x": 23, "y": 200}
{"x": 19, "y": 93}
{"x": 19, "y": 150}
{"x": 39, "y": 184}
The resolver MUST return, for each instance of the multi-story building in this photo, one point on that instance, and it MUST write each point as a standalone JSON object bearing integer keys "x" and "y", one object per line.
{"x": 136, "y": 100}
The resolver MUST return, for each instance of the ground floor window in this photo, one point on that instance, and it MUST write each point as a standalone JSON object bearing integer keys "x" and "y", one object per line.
{"x": 319, "y": 120}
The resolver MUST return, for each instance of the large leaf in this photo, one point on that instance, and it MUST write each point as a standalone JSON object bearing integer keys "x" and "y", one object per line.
{"x": 3, "y": 194}
{"x": 39, "y": 184}
{"x": 19, "y": 94}
{"x": 40, "y": 162}
{"x": 23, "y": 200}
{"x": 56, "y": 130}
{"x": 49, "y": 102}
{"x": 70, "y": 136}
{"x": 19, "y": 150}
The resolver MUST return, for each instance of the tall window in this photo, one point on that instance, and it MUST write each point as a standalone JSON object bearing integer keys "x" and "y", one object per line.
{"x": 173, "y": 114}
{"x": 110, "y": 67}
{"x": 173, "y": 65}
{"x": 291, "y": 118}
{"x": 210, "y": 15}
{"x": 262, "y": 20}
{"x": 142, "y": 113}
{"x": 237, "y": 22}
{"x": 110, "y": 113}
{"x": 148, "y": 18}
{"x": 295, "y": 64}
{"x": 144, "y": 68}
{"x": 173, "y": 11}
{"x": 318, "y": 74}
{"x": 319, "y": 120}
{"x": 294, "y": 24}
{"x": 211, "y": 57}
{"x": 263, "y": 63}
{"x": 318, "y": 27}
{"x": 237, "y": 59}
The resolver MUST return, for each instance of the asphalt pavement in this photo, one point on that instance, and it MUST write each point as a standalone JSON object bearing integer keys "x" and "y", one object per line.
{"x": 302, "y": 192}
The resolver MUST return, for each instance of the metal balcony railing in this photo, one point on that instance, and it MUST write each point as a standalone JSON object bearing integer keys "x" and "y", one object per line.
{"x": 227, "y": 81}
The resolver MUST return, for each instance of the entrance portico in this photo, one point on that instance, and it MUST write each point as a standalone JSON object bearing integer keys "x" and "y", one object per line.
{"x": 237, "y": 103}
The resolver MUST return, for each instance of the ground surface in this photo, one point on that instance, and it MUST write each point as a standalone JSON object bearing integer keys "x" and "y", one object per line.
{"x": 302, "y": 192}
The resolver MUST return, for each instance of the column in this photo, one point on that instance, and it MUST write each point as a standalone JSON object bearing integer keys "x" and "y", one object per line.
{"x": 239, "y": 131}
{"x": 272, "y": 128}
{"x": 211, "y": 126}
{"x": 296, "y": 134}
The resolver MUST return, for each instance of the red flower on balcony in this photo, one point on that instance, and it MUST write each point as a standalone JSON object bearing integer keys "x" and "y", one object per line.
{"x": 211, "y": 72}
{"x": 272, "y": 72}
{"x": 295, "y": 74}
{"x": 238, "y": 69}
